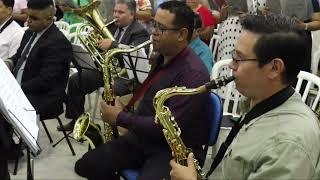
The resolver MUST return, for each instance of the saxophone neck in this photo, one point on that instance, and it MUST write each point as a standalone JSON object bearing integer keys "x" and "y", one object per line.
{"x": 163, "y": 95}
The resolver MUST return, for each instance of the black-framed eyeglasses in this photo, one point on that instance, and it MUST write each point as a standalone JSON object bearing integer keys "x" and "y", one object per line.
{"x": 158, "y": 26}
{"x": 235, "y": 57}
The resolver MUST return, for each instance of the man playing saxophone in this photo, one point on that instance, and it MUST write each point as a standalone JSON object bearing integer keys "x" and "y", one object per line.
{"x": 279, "y": 137}
{"x": 126, "y": 30}
{"x": 144, "y": 146}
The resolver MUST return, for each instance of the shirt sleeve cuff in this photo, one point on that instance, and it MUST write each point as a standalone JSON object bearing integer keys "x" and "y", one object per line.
{"x": 123, "y": 119}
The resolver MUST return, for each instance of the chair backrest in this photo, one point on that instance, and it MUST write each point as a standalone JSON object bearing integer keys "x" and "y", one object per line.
{"x": 229, "y": 94}
{"x": 73, "y": 27}
{"x": 215, "y": 111}
{"x": 213, "y": 45}
{"x": 312, "y": 80}
{"x": 315, "y": 62}
{"x": 62, "y": 25}
{"x": 72, "y": 37}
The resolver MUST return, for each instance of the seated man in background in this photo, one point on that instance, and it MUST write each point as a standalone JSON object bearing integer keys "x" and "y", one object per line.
{"x": 145, "y": 146}
{"x": 20, "y": 13}
{"x": 279, "y": 138}
{"x": 10, "y": 31}
{"x": 126, "y": 30}
{"x": 199, "y": 47}
{"x": 41, "y": 64}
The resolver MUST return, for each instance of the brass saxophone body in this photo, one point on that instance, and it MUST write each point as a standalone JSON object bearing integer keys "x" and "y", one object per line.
{"x": 171, "y": 129}
{"x": 85, "y": 128}
{"x": 83, "y": 124}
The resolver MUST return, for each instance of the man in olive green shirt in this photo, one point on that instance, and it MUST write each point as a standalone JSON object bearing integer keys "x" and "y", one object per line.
{"x": 280, "y": 135}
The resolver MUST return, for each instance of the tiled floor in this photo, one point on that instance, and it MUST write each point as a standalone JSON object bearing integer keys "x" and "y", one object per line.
{"x": 58, "y": 163}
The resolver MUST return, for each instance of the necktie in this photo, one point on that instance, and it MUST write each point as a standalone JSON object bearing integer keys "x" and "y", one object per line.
{"x": 23, "y": 55}
{"x": 119, "y": 34}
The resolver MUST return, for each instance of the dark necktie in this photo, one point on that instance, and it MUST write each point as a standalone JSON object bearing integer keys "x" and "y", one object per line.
{"x": 23, "y": 56}
{"x": 119, "y": 34}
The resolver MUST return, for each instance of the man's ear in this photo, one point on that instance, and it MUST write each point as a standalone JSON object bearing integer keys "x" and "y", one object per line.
{"x": 183, "y": 34}
{"x": 276, "y": 68}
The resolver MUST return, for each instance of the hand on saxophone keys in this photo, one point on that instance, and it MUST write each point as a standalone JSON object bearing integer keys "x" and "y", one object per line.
{"x": 180, "y": 172}
{"x": 109, "y": 113}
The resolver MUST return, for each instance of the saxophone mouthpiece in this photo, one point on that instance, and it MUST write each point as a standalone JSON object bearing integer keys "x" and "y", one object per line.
{"x": 217, "y": 83}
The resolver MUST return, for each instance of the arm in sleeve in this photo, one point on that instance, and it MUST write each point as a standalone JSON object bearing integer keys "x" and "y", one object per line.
{"x": 56, "y": 57}
{"x": 286, "y": 160}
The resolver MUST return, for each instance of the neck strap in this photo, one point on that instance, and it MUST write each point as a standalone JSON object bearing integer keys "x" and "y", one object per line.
{"x": 258, "y": 110}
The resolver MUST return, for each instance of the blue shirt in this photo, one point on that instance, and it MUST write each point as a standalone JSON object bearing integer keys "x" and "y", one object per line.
{"x": 203, "y": 51}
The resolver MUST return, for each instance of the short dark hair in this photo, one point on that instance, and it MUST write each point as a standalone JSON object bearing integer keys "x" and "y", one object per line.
{"x": 132, "y": 5}
{"x": 184, "y": 16}
{"x": 280, "y": 38}
{"x": 8, "y": 3}
{"x": 40, "y": 4}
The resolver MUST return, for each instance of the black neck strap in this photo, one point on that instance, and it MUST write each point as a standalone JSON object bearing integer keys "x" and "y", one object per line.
{"x": 258, "y": 110}
{"x": 6, "y": 25}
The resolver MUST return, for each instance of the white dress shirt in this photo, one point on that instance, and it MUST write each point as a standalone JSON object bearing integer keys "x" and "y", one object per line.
{"x": 10, "y": 39}
{"x": 124, "y": 29}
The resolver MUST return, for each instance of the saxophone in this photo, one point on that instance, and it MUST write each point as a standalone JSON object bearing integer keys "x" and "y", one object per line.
{"x": 170, "y": 129}
{"x": 84, "y": 126}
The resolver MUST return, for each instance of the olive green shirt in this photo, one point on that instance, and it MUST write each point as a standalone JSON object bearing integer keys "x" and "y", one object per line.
{"x": 283, "y": 143}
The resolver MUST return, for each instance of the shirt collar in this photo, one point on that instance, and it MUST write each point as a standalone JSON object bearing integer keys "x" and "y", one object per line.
{"x": 5, "y": 22}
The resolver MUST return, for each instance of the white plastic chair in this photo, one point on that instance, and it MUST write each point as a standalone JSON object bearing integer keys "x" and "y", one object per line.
{"x": 74, "y": 27}
{"x": 72, "y": 37}
{"x": 62, "y": 25}
{"x": 230, "y": 97}
{"x": 228, "y": 93}
{"x": 315, "y": 62}
{"x": 213, "y": 45}
{"x": 312, "y": 80}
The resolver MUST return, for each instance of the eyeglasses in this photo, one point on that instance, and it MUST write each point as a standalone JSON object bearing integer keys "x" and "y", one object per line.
{"x": 235, "y": 57}
{"x": 158, "y": 26}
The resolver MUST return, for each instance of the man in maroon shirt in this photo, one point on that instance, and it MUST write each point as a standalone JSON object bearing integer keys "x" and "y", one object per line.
{"x": 144, "y": 146}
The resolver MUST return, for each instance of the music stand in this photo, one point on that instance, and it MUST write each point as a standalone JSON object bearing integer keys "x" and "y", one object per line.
{"x": 18, "y": 111}
{"x": 83, "y": 60}
{"x": 137, "y": 64}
